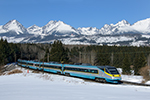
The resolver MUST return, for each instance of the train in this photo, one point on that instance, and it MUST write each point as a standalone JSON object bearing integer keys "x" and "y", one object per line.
{"x": 103, "y": 74}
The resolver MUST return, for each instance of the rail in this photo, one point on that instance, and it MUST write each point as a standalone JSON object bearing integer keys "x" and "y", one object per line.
{"x": 134, "y": 83}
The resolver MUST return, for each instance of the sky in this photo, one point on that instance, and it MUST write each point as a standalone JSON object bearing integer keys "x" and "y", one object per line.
{"x": 77, "y": 13}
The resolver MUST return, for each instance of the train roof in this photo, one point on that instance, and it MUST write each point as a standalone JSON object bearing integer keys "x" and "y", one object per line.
{"x": 105, "y": 67}
{"x": 86, "y": 65}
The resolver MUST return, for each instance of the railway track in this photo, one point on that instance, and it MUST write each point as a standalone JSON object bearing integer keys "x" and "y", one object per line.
{"x": 134, "y": 83}
{"x": 90, "y": 80}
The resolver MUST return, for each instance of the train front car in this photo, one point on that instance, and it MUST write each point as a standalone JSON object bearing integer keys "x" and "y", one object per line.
{"x": 110, "y": 74}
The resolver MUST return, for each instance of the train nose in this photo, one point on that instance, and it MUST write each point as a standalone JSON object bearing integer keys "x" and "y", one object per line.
{"x": 117, "y": 77}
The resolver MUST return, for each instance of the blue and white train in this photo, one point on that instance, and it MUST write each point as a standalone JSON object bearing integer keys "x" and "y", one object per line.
{"x": 97, "y": 73}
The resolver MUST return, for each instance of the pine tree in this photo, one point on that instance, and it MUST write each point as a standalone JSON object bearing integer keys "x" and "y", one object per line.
{"x": 46, "y": 57}
{"x": 9, "y": 51}
{"x": 126, "y": 65}
{"x": 139, "y": 62}
{"x": 103, "y": 57}
{"x": 58, "y": 53}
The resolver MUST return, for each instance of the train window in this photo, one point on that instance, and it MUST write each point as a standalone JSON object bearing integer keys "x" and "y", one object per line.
{"x": 46, "y": 66}
{"x": 86, "y": 70}
{"x": 106, "y": 70}
{"x": 94, "y": 71}
{"x": 23, "y": 62}
{"x": 36, "y": 64}
{"x": 113, "y": 70}
{"x": 89, "y": 70}
{"x": 81, "y": 70}
{"x": 30, "y": 63}
{"x": 58, "y": 67}
{"x": 49, "y": 66}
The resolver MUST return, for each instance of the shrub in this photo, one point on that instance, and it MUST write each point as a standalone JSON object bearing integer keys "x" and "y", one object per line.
{"x": 15, "y": 71}
{"x": 144, "y": 71}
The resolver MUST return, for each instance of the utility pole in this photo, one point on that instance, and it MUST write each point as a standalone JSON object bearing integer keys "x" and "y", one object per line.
{"x": 80, "y": 57}
{"x": 47, "y": 57}
{"x": 29, "y": 56}
{"x": 43, "y": 66}
{"x": 112, "y": 58}
{"x": 148, "y": 62}
{"x": 15, "y": 56}
{"x": 21, "y": 54}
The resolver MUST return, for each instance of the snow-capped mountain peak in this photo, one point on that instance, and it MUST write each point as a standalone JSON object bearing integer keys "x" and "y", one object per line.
{"x": 106, "y": 25}
{"x": 143, "y": 26}
{"x": 14, "y": 25}
{"x": 88, "y": 30}
{"x": 115, "y": 28}
{"x": 58, "y": 27}
{"x": 34, "y": 29}
{"x": 122, "y": 23}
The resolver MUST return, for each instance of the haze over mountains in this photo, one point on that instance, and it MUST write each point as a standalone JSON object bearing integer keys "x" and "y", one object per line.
{"x": 121, "y": 33}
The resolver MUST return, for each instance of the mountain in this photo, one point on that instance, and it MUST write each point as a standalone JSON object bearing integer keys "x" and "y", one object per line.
{"x": 88, "y": 31}
{"x": 13, "y": 26}
{"x": 58, "y": 27}
{"x": 121, "y": 33}
{"x": 53, "y": 28}
{"x": 115, "y": 29}
{"x": 35, "y": 30}
{"x": 142, "y": 26}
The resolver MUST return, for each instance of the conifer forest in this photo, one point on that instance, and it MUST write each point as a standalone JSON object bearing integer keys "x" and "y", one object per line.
{"x": 126, "y": 57}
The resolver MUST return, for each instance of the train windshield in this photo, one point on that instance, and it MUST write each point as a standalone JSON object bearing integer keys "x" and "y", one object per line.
{"x": 113, "y": 70}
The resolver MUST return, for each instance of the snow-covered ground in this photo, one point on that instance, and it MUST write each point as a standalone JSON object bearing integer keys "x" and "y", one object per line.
{"x": 39, "y": 86}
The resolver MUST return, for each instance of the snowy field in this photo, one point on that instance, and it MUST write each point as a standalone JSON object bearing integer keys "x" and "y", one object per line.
{"x": 39, "y": 86}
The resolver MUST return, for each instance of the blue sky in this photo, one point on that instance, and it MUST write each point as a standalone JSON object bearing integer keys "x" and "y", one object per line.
{"x": 77, "y": 13}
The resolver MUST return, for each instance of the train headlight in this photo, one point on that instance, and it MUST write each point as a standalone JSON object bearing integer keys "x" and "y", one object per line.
{"x": 117, "y": 75}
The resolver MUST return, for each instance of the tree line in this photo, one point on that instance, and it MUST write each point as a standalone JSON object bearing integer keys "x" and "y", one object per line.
{"x": 125, "y": 57}
{"x": 9, "y": 52}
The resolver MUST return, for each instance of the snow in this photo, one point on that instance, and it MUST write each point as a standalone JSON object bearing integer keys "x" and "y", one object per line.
{"x": 31, "y": 86}
{"x": 146, "y": 36}
{"x": 35, "y": 30}
{"x": 13, "y": 39}
{"x": 148, "y": 82}
{"x": 14, "y": 25}
{"x": 57, "y": 26}
{"x": 110, "y": 39}
{"x": 84, "y": 35}
{"x": 107, "y": 39}
{"x": 2, "y": 30}
{"x": 138, "y": 43}
{"x": 132, "y": 78}
{"x": 142, "y": 26}
{"x": 88, "y": 30}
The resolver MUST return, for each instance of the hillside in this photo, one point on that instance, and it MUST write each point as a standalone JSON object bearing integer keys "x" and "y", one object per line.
{"x": 40, "y": 86}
